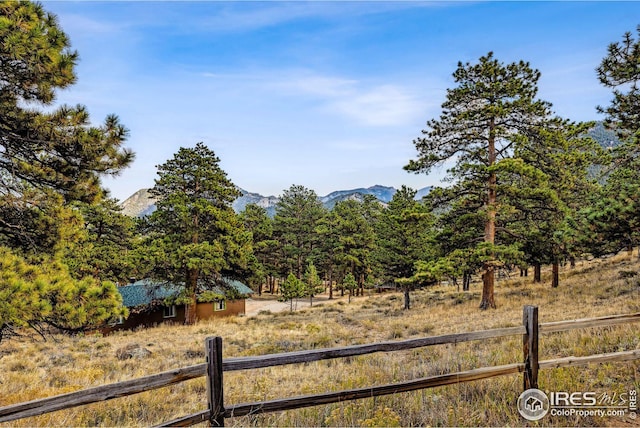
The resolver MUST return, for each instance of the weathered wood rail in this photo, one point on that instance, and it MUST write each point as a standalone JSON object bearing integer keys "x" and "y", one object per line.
{"x": 215, "y": 366}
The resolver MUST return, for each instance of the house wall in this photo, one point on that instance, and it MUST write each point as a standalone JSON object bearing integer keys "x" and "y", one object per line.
{"x": 234, "y": 307}
{"x": 156, "y": 316}
{"x": 147, "y": 319}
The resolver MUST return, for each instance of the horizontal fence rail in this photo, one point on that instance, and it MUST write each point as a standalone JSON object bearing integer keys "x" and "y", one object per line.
{"x": 171, "y": 377}
{"x": 590, "y": 359}
{"x": 295, "y": 357}
{"x": 606, "y": 321}
{"x": 101, "y": 393}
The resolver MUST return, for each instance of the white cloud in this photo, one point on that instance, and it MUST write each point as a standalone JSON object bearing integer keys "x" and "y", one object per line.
{"x": 386, "y": 104}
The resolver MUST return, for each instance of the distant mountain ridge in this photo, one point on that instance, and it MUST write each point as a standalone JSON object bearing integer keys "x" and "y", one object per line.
{"x": 605, "y": 137}
{"x": 141, "y": 203}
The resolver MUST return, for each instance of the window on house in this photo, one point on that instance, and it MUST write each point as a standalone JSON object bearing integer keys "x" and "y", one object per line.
{"x": 220, "y": 305}
{"x": 170, "y": 311}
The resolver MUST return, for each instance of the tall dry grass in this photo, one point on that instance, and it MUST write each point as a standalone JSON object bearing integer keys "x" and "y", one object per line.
{"x": 31, "y": 369}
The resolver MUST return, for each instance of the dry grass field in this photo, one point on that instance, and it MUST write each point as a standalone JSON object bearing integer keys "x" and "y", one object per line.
{"x": 32, "y": 368}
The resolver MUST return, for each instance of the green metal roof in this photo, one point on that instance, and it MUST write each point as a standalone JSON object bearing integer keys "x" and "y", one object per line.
{"x": 238, "y": 286}
{"x": 146, "y": 291}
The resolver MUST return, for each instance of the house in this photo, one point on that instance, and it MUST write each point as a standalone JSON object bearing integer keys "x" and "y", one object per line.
{"x": 151, "y": 303}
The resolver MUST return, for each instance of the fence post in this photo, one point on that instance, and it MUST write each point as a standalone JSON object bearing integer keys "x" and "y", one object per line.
{"x": 530, "y": 346}
{"x": 215, "y": 395}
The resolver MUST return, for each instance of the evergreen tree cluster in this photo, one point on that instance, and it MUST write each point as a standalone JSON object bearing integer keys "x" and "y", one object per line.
{"x": 526, "y": 188}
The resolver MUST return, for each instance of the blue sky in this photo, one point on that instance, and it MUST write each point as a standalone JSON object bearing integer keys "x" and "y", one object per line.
{"x": 328, "y": 95}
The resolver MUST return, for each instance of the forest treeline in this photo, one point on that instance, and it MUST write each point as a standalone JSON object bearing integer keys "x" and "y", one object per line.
{"x": 526, "y": 188}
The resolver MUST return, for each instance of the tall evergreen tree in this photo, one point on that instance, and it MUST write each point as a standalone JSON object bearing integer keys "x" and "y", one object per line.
{"x": 484, "y": 117}
{"x": 616, "y": 218}
{"x": 44, "y": 155}
{"x": 256, "y": 221}
{"x": 195, "y": 237}
{"x": 356, "y": 240}
{"x": 295, "y": 222}
{"x": 546, "y": 206}
{"x": 457, "y": 229}
{"x": 328, "y": 234}
{"x": 404, "y": 238}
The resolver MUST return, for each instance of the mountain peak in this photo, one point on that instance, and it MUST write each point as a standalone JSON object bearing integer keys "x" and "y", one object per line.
{"x": 141, "y": 203}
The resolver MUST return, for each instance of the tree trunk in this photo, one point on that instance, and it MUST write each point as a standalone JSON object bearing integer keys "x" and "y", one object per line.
{"x": 407, "y": 298}
{"x": 488, "y": 278}
{"x": 537, "y": 273}
{"x": 192, "y": 287}
{"x": 466, "y": 281}
{"x": 190, "y": 311}
{"x": 330, "y": 282}
{"x": 572, "y": 262}
{"x": 555, "y": 280}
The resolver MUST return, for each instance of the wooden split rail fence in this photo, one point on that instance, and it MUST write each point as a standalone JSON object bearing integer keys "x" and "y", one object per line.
{"x": 213, "y": 369}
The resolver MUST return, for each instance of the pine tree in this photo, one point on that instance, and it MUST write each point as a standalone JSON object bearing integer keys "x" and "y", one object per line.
{"x": 194, "y": 236}
{"x": 256, "y": 221}
{"x": 295, "y": 222}
{"x": 327, "y": 231}
{"x": 349, "y": 283}
{"x": 404, "y": 238}
{"x": 312, "y": 284}
{"x": 45, "y": 155}
{"x": 620, "y": 70}
{"x": 105, "y": 249}
{"x": 40, "y": 293}
{"x": 356, "y": 240}
{"x": 291, "y": 288}
{"x": 483, "y": 119}
{"x": 546, "y": 202}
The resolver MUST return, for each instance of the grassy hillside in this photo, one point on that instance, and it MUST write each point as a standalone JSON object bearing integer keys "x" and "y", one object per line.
{"x": 32, "y": 369}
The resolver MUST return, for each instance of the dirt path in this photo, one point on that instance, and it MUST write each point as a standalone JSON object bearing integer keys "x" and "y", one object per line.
{"x": 271, "y": 304}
